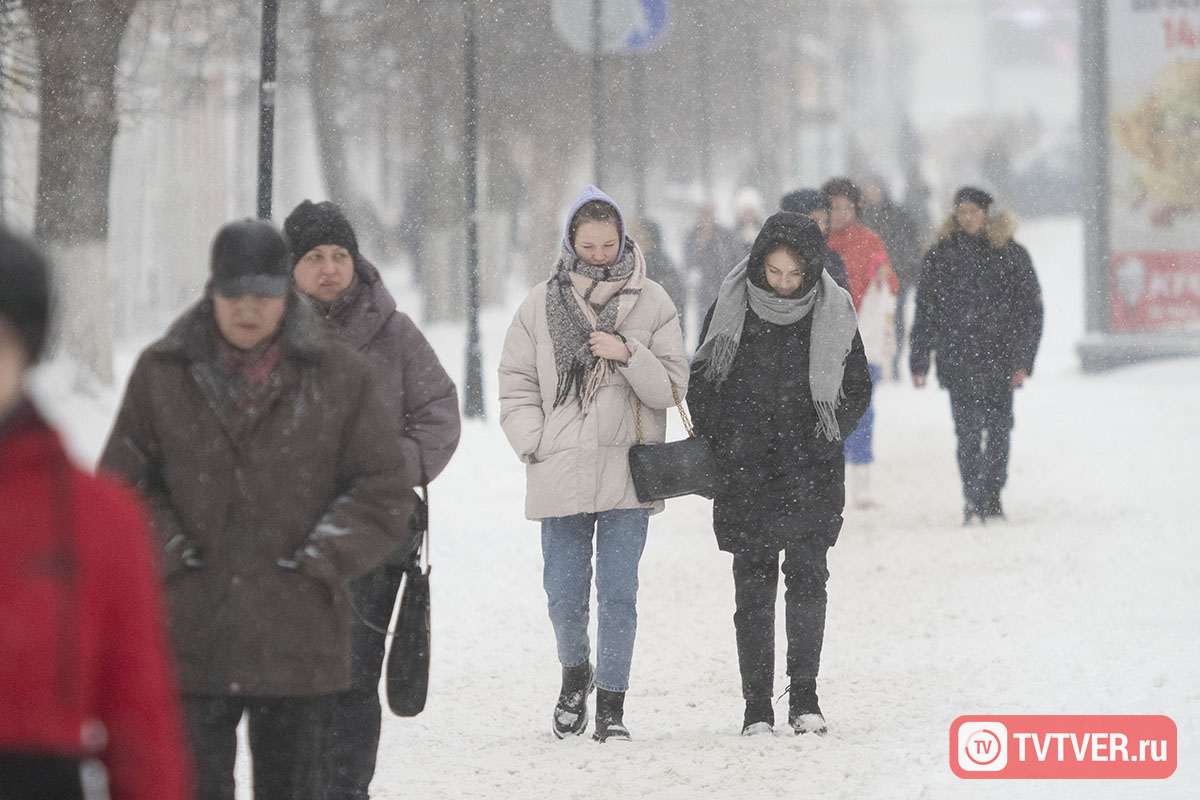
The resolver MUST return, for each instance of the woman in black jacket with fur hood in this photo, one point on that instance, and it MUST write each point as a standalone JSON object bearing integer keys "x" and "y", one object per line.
{"x": 780, "y": 377}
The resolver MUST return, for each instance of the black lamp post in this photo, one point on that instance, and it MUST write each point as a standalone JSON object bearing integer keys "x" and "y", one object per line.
{"x": 266, "y": 107}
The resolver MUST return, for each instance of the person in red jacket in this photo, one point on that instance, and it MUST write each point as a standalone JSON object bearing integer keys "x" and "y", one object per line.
{"x": 867, "y": 264}
{"x": 84, "y": 667}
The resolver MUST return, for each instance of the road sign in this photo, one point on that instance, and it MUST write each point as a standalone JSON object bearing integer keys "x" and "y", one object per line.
{"x": 626, "y": 26}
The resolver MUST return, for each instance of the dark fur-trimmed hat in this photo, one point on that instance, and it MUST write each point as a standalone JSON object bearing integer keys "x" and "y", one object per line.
{"x": 24, "y": 291}
{"x": 311, "y": 224}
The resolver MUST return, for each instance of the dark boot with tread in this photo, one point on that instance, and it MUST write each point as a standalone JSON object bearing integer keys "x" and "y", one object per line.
{"x": 610, "y": 710}
{"x": 571, "y": 711}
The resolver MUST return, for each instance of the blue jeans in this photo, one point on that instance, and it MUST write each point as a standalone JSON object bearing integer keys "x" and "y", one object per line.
{"x": 567, "y": 577}
{"x": 859, "y": 448}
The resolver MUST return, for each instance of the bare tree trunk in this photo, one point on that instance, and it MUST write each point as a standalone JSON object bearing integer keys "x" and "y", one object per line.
{"x": 324, "y": 87}
{"x": 78, "y": 45}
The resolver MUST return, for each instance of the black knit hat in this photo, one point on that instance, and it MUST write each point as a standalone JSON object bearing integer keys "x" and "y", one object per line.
{"x": 311, "y": 224}
{"x": 804, "y": 201}
{"x": 24, "y": 291}
{"x": 250, "y": 256}
{"x": 970, "y": 194}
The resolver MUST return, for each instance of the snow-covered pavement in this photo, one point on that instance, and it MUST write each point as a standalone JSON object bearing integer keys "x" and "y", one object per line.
{"x": 1084, "y": 602}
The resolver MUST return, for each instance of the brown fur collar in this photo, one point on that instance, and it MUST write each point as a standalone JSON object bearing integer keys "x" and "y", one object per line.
{"x": 999, "y": 227}
{"x": 190, "y": 336}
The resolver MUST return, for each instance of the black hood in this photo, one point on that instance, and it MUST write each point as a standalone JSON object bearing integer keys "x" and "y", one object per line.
{"x": 797, "y": 231}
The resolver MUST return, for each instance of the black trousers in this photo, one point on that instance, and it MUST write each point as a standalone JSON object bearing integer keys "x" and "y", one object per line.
{"x": 983, "y": 421}
{"x": 287, "y": 736}
{"x": 353, "y": 741}
{"x": 26, "y": 776}
{"x": 755, "y": 581}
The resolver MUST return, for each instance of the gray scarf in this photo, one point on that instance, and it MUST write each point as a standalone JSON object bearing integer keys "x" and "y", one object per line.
{"x": 580, "y": 299}
{"x": 833, "y": 329}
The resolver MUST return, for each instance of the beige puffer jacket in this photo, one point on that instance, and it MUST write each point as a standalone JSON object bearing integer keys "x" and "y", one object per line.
{"x": 578, "y": 463}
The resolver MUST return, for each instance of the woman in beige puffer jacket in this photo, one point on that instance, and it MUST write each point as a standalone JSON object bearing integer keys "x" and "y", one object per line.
{"x": 588, "y": 352}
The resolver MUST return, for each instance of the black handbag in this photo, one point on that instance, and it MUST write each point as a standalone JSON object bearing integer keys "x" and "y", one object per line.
{"x": 671, "y": 469}
{"x": 408, "y": 658}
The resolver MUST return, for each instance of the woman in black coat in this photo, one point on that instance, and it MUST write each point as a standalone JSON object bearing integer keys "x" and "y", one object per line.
{"x": 779, "y": 378}
{"x": 979, "y": 314}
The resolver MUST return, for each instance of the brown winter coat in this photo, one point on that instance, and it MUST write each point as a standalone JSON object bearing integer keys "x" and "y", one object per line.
{"x": 319, "y": 480}
{"x": 414, "y": 384}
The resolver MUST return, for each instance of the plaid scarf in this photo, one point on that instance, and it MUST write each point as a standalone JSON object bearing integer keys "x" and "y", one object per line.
{"x": 580, "y": 299}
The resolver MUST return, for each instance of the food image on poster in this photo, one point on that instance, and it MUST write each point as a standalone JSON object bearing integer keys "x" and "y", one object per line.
{"x": 1153, "y": 165}
{"x": 1162, "y": 133}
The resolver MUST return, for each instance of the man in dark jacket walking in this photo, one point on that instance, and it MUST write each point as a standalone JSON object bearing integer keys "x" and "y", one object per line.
{"x": 275, "y": 474}
{"x": 85, "y": 670}
{"x": 348, "y": 291}
{"x": 902, "y": 240}
{"x": 979, "y": 318}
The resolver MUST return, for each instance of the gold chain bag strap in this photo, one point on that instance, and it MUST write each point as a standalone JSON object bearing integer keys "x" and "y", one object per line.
{"x": 671, "y": 469}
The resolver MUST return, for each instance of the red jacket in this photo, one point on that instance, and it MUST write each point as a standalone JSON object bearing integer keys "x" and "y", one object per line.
{"x": 864, "y": 253}
{"x": 82, "y": 638}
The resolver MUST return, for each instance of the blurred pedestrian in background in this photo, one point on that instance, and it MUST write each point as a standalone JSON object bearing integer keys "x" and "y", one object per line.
{"x": 347, "y": 290}
{"x": 85, "y": 671}
{"x": 873, "y": 285}
{"x": 749, "y": 211}
{"x": 709, "y": 249}
{"x": 588, "y": 368}
{"x": 659, "y": 266}
{"x": 901, "y": 238}
{"x": 979, "y": 321}
{"x": 276, "y": 474}
{"x": 778, "y": 378}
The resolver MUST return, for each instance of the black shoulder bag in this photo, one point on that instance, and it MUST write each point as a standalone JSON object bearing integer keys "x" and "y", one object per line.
{"x": 408, "y": 659}
{"x": 671, "y": 469}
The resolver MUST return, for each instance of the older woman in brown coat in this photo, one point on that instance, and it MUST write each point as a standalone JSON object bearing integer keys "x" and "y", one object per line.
{"x": 275, "y": 475}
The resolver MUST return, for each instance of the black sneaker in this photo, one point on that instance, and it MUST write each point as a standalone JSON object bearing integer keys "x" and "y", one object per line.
{"x": 804, "y": 712}
{"x": 571, "y": 712}
{"x": 610, "y": 711}
{"x": 759, "y": 718}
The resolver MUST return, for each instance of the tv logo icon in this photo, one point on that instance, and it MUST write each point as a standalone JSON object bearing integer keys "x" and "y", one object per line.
{"x": 982, "y": 746}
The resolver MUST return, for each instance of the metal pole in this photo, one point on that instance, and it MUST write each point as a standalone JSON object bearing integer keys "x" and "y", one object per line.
{"x": 703, "y": 101}
{"x": 266, "y": 107}
{"x": 597, "y": 97}
{"x": 473, "y": 391}
{"x": 1093, "y": 36}
{"x": 643, "y": 139}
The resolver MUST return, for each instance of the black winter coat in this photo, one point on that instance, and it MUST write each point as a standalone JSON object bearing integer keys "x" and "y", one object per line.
{"x": 780, "y": 480}
{"x": 979, "y": 309}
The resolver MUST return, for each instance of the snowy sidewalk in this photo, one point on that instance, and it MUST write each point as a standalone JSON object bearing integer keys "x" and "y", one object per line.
{"x": 1084, "y": 602}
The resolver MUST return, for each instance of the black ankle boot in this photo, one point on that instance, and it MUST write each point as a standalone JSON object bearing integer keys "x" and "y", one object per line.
{"x": 760, "y": 716}
{"x": 571, "y": 712}
{"x": 610, "y": 709}
{"x": 804, "y": 712}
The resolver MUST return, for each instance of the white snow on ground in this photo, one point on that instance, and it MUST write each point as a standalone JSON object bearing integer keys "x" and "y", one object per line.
{"x": 1084, "y": 602}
